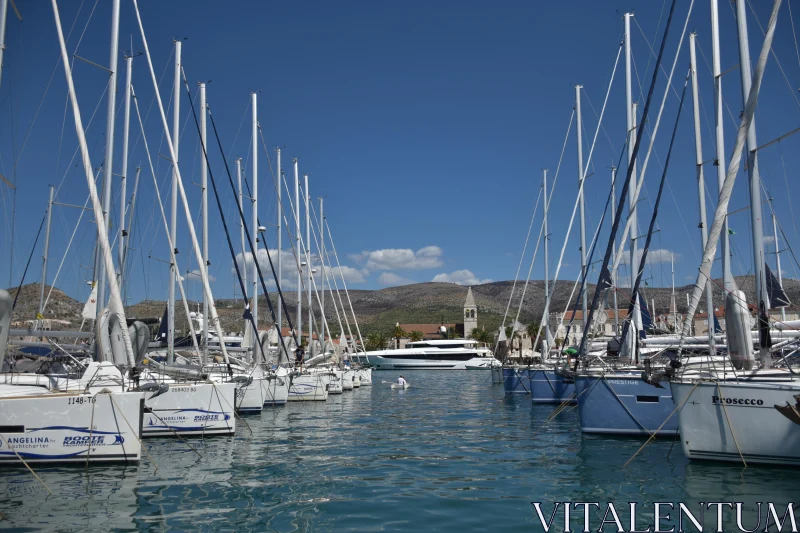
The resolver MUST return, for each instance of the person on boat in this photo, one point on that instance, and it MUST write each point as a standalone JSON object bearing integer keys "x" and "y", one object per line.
{"x": 299, "y": 354}
{"x": 401, "y": 381}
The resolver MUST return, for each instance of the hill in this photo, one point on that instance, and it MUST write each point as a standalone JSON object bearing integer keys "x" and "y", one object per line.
{"x": 379, "y": 310}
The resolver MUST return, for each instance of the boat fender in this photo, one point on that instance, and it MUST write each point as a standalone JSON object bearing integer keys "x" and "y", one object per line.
{"x": 242, "y": 380}
{"x": 653, "y": 379}
{"x": 157, "y": 388}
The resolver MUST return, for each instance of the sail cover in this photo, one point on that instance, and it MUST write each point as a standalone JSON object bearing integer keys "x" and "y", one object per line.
{"x": 777, "y": 296}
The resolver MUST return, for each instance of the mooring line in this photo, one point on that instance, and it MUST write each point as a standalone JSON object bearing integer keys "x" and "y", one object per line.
{"x": 135, "y": 433}
{"x": 653, "y": 436}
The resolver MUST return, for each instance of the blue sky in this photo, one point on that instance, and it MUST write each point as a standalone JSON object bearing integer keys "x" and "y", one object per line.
{"x": 424, "y": 125}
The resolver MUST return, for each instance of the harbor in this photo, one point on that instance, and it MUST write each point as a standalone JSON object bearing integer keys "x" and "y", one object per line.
{"x": 394, "y": 294}
{"x": 452, "y": 452}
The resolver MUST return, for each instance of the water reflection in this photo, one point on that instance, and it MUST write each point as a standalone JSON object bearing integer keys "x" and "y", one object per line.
{"x": 452, "y": 452}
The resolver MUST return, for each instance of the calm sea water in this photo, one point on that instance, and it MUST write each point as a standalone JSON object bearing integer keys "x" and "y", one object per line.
{"x": 450, "y": 453}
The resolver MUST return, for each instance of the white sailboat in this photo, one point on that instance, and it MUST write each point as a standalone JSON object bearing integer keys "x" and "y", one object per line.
{"x": 733, "y": 420}
{"x": 38, "y": 424}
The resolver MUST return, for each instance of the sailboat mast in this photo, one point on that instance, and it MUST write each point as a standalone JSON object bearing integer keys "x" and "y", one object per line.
{"x": 321, "y": 251}
{"x": 254, "y": 99}
{"x": 187, "y": 212}
{"x": 755, "y": 192}
{"x": 173, "y": 222}
{"x": 103, "y": 246}
{"x": 130, "y": 225}
{"x": 279, "y": 179}
{"x": 204, "y": 208}
{"x": 674, "y": 303}
{"x": 308, "y": 271}
{"x": 46, "y": 248}
{"x": 630, "y": 113}
{"x": 241, "y": 223}
{"x": 581, "y": 177}
{"x": 297, "y": 252}
{"x": 778, "y": 261}
{"x": 614, "y": 246}
{"x": 701, "y": 188}
{"x": 546, "y": 351}
{"x": 724, "y": 240}
{"x": 109, "y": 157}
{"x": 123, "y": 182}
{"x": 3, "y": 13}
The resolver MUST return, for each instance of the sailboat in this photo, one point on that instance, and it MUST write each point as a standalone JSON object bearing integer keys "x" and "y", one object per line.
{"x": 616, "y": 400}
{"x": 741, "y": 421}
{"x": 38, "y": 424}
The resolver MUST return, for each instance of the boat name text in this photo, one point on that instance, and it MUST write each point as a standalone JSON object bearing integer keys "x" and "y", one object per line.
{"x": 716, "y": 400}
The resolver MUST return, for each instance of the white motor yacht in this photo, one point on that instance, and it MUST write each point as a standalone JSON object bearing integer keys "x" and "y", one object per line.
{"x": 451, "y": 354}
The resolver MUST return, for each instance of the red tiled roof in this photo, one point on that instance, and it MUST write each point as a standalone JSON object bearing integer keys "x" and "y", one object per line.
{"x": 286, "y": 332}
{"x": 719, "y": 313}
{"x": 621, "y": 313}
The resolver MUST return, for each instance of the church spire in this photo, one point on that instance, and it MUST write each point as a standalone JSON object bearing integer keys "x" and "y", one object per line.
{"x": 470, "y": 299}
{"x": 470, "y": 313}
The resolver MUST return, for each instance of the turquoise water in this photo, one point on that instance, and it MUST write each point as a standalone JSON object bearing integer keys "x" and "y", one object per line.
{"x": 450, "y": 453}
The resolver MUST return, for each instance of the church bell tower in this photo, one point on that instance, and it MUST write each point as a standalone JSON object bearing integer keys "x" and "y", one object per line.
{"x": 470, "y": 313}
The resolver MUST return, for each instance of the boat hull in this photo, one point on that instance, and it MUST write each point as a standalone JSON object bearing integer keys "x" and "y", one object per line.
{"x": 623, "y": 404}
{"x": 71, "y": 428}
{"x": 379, "y": 362}
{"x": 334, "y": 381}
{"x": 365, "y": 376}
{"x": 547, "y": 386}
{"x": 497, "y": 374}
{"x": 250, "y": 398}
{"x": 187, "y": 409}
{"x": 347, "y": 380}
{"x": 275, "y": 390}
{"x": 516, "y": 380}
{"x": 761, "y": 433}
{"x": 307, "y": 387}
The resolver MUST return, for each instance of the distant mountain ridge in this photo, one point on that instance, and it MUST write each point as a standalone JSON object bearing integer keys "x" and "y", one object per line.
{"x": 419, "y": 303}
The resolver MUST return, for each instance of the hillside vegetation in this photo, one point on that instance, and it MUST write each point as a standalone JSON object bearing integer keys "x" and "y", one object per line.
{"x": 379, "y": 310}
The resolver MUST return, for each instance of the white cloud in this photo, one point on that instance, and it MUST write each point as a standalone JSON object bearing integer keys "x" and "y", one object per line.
{"x": 289, "y": 269}
{"x": 350, "y": 274}
{"x": 460, "y": 277}
{"x": 400, "y": 258}
{"x": 389, "y": 278}
{"x": 195, "y": 275}
{"x": 769, "y": 239}
{"x": 659, "y": 255}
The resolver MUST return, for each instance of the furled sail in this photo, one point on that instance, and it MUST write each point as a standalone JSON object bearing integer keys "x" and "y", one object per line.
{"x": 647, "y": 319}
{"x": 777, "y": 296}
